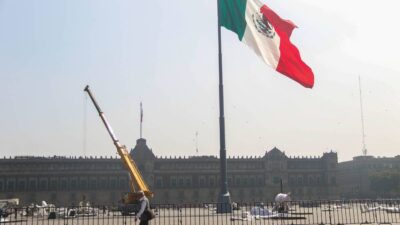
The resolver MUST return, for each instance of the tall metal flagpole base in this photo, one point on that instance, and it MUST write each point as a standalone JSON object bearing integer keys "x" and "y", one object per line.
{"x": 224, "y": 203}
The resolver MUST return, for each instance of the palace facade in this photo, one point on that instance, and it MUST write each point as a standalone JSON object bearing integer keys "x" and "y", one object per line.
{"x": 68, "y": 180}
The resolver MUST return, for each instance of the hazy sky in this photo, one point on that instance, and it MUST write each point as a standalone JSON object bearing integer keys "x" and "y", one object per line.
{"x": 164, "y": 53}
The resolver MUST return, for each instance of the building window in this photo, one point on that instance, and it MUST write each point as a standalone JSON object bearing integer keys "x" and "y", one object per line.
{"x": 73, "y": 184}
{"x": 53, "y": 184}
{"x": 122, "y": 184}
{"x": 180, "y": 182}
{"x": 53, "y": 197}
{"x": 103, "y": 184}
{"x": 113, "y": 183}
{"x": 252, "y": 182}
{"x": 188, "y": 182}
{"x": 173, "y": 182}
{"x": 260, "y": 181}
{"x": 43, "y": 185}
{"x": 333, "y": 180}
{"x": 244, "y": 181}
{"x": 230, "y": 181}
{"x": 212, "y": 181}
{"x": 300, "y": 181}
{"x": 202, "y": 182}
{"x": 159, "y": 183}
{"x": 305, "y": 180}
{"x": 237, "y": 181}
{"x": 11, "y": 186}
{"x": 32, "y": 185}
{"x": 21, "y": 185}
{"x": 64, "y": 184}
{"x": 93, "y": 184}
{"x": 84, "y": 184}
{"x": 276, "y": 180}
{"x": 72, "y": 196}
{"x": 1, "y": 185}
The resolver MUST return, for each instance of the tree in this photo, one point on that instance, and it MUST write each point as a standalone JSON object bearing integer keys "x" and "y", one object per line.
{"x": 385, "y": 182}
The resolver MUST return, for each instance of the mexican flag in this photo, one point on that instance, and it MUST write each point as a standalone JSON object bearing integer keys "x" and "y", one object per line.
{"x": 268, "y": 35}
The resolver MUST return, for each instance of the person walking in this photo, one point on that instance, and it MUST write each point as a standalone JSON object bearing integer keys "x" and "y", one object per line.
{"x": 143, "y": 214}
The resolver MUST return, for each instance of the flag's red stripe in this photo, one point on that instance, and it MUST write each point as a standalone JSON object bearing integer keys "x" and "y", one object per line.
{"x": 290, "y": 62}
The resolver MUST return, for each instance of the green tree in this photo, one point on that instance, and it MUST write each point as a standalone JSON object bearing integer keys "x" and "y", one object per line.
{"x": 385, "y": 182}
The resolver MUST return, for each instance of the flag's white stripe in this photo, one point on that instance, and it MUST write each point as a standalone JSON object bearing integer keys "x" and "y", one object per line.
{"x": 266, "y": 48}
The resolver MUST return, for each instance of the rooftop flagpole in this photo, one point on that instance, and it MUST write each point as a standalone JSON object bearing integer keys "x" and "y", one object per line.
{"x": 224, "y": 199}
{"x": 141, "y": 119}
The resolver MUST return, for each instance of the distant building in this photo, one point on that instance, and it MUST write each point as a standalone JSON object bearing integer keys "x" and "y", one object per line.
{"x": 356, "y": 176}
{"x": 66, "y": 181}
{"x": 62, "y": 180}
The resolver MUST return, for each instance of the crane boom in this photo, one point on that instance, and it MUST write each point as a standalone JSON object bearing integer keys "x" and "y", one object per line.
{"x": 136, "y": 180}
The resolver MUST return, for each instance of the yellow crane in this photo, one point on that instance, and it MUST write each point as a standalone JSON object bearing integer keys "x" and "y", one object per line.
{"x": 136, "y": 182}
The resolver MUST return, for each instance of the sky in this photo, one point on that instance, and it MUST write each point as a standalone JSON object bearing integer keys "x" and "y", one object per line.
{"x": 164, "y": 54}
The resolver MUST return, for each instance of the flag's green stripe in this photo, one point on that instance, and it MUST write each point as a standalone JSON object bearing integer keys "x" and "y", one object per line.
{"x": 232, "y": 16}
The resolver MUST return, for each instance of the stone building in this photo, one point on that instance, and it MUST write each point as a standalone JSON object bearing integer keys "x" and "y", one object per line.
{"x": 63, "y": 180}
{"x": 355, "y": 176}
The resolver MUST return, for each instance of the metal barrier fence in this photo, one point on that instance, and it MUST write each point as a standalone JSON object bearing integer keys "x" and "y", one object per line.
{"x": 298, "y": 212}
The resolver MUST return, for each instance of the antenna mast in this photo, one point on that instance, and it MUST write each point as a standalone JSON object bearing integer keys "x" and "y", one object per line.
{"x": 364, "y": 149}
{"x": 197, "y": 142}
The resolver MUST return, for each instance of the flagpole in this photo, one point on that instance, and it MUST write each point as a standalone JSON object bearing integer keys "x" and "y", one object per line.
{"x": 141, "y": 119}
{"x": 224, "y": 200}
